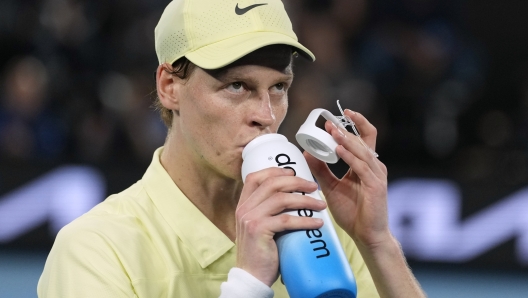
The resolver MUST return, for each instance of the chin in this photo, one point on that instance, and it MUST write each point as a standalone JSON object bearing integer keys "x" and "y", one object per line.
{"x": 233, "y": 170}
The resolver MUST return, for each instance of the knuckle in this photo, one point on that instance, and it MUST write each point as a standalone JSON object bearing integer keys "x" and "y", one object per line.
{"x": 251, "y": 226}
{"x": 384, "y": 169}
{"x": 239, "y": 214}
{"x": 283, "y": 200}
{"x": 251, "y": 177}
{"x": 284, "y": 219}
{"x": 269, "y": 182}
{"x": 276, "y": 182}
{"x": 363, "y": 167}
{"x": 370, "y": 158}
{"x": 279, "y": 197}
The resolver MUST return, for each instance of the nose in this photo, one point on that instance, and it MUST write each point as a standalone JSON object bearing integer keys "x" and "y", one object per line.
{"x": 262, "y": 114}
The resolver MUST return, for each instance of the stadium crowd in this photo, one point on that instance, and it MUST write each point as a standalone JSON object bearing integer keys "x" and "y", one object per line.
{"x": 77, "y": 83}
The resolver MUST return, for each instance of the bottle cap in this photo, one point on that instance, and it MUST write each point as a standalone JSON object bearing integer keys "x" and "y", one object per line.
{"x": 316, "y": 141}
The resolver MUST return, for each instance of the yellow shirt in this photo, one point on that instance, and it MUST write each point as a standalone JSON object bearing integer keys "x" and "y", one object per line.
{"x": 151, "y": 241}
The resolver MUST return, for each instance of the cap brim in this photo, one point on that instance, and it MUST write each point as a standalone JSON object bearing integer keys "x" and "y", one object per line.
{"x": 224, "y": 52}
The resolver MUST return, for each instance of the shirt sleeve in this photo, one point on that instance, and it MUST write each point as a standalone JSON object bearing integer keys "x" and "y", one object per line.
{"x": 241, "y": 284}
{"x": 83, "y": 263}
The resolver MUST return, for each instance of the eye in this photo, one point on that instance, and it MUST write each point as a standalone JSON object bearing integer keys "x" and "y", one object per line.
{"x": 279, "y": 88}
{"x": 236, "y": 87}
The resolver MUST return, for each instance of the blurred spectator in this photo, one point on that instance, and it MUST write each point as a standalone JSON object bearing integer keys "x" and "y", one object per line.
{"x": 125, "y": 99}
{"x": 325, "y": 27}
{"x": 29, "y": 128}
{"x": 95, "y": 50}
{"x": 404, "y": 64}
{"x": 426, "y": 71}
{"x": 410, "y": 66}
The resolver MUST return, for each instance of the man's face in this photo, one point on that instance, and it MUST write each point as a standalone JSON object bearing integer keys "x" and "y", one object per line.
{"x": 220, "y": 113}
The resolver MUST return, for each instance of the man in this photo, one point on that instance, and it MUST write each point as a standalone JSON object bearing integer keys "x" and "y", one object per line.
{"x": 190, "y": 227}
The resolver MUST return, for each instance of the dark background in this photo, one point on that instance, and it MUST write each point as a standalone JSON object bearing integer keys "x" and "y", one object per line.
{"x": 445, "y": 83}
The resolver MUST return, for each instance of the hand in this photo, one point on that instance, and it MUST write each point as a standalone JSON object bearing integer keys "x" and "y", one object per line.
{"x": 358, "y": 201}
{"x": 266, "y": 194}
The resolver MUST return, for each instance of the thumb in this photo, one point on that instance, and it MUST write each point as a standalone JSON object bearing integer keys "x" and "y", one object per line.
{"x": 321, "y": 172}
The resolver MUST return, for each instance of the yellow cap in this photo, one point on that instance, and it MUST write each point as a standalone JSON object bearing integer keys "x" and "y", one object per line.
{"x": 215, "y": 33}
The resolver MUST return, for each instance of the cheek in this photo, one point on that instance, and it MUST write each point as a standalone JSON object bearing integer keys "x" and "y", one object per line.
{"x": 196, "y": 122}
{"x": 208, "y": 121}
{"x": 198, "y": 110}
{"x": 280, "y": 112}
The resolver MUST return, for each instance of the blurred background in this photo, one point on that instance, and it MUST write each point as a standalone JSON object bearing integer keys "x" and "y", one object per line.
{"x": 445, "y": 82}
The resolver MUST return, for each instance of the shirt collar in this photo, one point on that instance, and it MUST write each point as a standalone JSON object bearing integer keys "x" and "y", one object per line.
{"x": 203, "y": 239}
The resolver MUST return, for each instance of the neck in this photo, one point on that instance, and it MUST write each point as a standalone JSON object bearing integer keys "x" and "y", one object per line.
{"x": 215, "y": 195}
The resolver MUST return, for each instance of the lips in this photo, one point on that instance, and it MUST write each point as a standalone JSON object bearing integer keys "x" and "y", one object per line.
{"x": 245, "y": 144}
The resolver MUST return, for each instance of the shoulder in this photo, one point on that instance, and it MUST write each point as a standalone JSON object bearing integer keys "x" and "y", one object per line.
{"x": 110, "y": 240}
{"x": 112, "y": 227}
{"x": 117, "y": 219}
{"x": 88, "y": 255}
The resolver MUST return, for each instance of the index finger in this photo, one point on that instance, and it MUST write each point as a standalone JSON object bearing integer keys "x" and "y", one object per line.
{"x": 367, "y": 130}
{"x": 255, "y": 179}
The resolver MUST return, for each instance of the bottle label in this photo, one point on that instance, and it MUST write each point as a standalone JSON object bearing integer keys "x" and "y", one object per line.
{"x": 315, "y": 237}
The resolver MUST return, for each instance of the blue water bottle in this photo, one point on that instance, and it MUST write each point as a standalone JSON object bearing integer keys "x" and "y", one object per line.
{"x": 312, "y": 262}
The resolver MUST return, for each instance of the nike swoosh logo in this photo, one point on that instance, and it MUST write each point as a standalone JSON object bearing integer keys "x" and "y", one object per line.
{"x": 240, "y": 11}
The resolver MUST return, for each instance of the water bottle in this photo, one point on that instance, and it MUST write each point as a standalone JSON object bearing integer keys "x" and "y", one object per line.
{"x": 311, "y": 262}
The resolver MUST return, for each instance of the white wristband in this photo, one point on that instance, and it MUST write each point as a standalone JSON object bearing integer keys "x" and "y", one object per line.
{"x": 241, "y": 284}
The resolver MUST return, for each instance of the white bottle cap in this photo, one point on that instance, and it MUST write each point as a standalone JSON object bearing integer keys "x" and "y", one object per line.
{"x": 316, "y": 141}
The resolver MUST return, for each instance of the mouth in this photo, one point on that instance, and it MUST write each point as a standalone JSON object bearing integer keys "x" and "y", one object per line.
{"x": 244, "y": 146}
{"x": 251, "y": 139}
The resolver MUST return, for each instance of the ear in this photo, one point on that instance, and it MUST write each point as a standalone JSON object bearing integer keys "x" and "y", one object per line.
{"x": 168, "y": 87}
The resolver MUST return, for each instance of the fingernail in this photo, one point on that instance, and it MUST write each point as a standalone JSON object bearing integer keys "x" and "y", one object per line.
{"x": 288, "y": 171}
{"x": 337, "y": 127}
{"x": 318, "y": 220}
{"x": 350, "y": 111}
